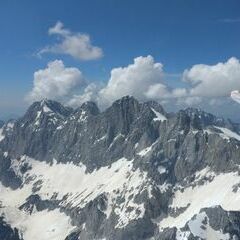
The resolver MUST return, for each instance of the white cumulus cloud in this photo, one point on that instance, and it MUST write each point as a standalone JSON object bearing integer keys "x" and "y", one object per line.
{"x": 55, "y": 82}
{"x": 146, "y": 80}
{"x": 90, "y": 93}
{"x": 135, "y": 79}
{"x": 201, "y": 85}
{"x": 213, "y": 80}
{"x": 143, "y": 79}
{"x": 77, "y": 45}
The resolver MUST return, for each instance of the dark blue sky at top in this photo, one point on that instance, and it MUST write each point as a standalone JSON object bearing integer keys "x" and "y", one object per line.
{"x": 177, "y": 33}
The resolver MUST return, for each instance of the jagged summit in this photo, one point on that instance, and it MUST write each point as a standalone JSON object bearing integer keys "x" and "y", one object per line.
{"x": 90, "y": 107}
{"x": 125, "y": 100}
{"x": 126, "y": 103}
{"x": 49, "y": 106}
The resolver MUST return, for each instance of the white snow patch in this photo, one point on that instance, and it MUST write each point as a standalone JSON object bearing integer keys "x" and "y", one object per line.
{"x": 5, "y": 154}
{"x": 100, "y": 139}
{"x": 208, "y": 131}
{"x": 78, "y": 187}
{"x": 136, "y": 145}
{"x": 194, "y": 131}
{"x": 145, "y": 151}
{"x": 1, "y": 134}
{"x": 9, "y": 126}
{"x": 120, "y": 135}
{"x": 207, "y": 232}
{"x": 219, "y": 191}
{"x": 159, "y": 117}
{"x": 227, "y": 133}
{"x": 83, "y": 116}
{"x": 60, "y": 127}
{"x": 46, "y": 109}
{"x": 37, "y": 122}
{"x": 162, "y": 169}
{"x": 164, "y": 187}
{"x": 43, "y": 225}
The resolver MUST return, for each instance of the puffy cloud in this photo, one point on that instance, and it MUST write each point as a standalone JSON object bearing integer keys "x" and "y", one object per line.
{"x": 77, "y": 45}
{"x": 213, "y": 81}
{"x": 189, "y": 101}
{"x": 55, "y": 82}
{"x": 144, "y": 79}
{"x": 90, "y": 93}
{"x": 161, "y": 91}
{"x": 136, "y": 79}
{"x": 59, "y": 29}
{"x": 157, "y": 91}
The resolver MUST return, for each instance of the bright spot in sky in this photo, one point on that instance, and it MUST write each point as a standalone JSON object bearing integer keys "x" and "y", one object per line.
{"x": 235, "y": 95}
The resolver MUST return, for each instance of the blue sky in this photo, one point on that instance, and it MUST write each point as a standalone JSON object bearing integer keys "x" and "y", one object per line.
{"x": 176, "y": 33}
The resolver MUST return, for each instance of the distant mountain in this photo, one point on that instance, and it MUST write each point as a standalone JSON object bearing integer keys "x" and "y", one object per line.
{"x": 133, "y": 171}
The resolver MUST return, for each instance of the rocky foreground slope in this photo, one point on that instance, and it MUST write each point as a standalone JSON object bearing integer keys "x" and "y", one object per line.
{"x": 133, "y": 171}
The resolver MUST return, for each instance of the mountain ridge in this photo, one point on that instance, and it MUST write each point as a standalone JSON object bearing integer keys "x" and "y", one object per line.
{"x": 123, "y": 173}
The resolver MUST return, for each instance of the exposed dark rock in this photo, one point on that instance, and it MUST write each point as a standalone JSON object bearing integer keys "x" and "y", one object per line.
{"x": 8, "y": 233}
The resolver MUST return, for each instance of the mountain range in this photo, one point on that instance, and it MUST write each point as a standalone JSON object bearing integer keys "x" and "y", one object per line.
{"x": 130, "y": 172}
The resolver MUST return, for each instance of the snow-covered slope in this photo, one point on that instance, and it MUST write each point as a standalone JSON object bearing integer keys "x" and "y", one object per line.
{"x": 71, "y": 187}
{"x": 218, "y": 189}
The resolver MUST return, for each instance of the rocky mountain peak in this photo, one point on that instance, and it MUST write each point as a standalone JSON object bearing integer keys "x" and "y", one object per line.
{"x": 47, "y": 107}
{"x": 45, "y": 112}
{"x": 126, "y": 104}
{"x": 199, "y": 119}
{"x": 90, "y": 108}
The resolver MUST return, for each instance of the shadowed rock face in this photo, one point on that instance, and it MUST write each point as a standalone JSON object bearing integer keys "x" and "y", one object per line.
{"x": 7, "y": 233}
{"x": 169, "y": 150}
